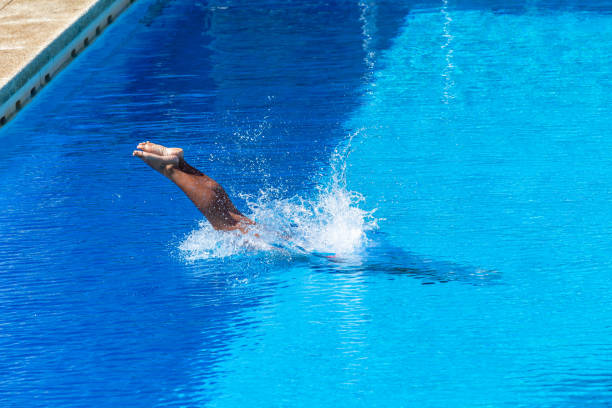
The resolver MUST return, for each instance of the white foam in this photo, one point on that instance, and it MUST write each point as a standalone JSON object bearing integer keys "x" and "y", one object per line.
{"x": 205, "y": 242}
{"x": 331, "y": 222}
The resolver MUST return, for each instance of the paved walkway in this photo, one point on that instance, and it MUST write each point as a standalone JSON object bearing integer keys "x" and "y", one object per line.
{"x": 28, "y": 26}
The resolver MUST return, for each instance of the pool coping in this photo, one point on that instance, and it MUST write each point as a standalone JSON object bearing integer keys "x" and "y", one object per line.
{"x": 41, "y": 70}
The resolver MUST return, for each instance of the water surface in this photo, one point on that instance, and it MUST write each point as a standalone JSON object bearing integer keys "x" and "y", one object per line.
{"x": 451, "y": 156}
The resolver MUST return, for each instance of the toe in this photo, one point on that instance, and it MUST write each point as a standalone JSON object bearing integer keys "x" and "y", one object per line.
{"x": 149, "y": 147}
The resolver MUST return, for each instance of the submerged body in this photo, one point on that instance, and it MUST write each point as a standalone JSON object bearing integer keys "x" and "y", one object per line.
{"x": 207, "y": 195}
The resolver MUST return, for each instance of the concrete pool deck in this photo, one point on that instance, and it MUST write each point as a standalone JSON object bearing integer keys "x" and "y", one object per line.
{"x": 40, "y": 37}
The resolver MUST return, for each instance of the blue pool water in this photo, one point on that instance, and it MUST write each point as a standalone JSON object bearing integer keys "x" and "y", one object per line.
{"x": 454, "y": 156}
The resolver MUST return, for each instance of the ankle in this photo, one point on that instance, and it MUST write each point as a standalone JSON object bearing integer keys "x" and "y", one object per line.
{"x": 169, "y": 168}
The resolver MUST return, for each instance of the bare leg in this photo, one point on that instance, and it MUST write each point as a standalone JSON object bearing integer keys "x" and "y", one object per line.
{"x": 210, "y": 198}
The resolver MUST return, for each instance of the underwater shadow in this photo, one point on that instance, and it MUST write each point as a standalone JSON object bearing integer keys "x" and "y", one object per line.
{"x": 382, "y": 257}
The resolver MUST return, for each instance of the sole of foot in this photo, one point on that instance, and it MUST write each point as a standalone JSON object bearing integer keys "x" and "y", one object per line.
{"x": 163, "y": 164}
{"x": 160, "y": 150}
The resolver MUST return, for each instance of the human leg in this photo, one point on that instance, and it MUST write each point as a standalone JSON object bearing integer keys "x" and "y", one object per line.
{"x": 207, "y": 195}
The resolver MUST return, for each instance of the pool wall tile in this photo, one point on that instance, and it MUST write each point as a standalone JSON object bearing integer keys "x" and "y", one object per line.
{"x": 36, "y": 72}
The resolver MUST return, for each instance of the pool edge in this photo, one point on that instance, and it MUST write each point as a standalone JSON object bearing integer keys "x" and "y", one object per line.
{"x": 39, "y": 71}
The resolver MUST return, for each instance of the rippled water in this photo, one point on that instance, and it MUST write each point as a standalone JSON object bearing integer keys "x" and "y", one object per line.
{"x": 430, "y": 183}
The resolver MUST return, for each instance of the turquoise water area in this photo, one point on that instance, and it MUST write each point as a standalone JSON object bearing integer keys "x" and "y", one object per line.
{"x": 440, "y": 168}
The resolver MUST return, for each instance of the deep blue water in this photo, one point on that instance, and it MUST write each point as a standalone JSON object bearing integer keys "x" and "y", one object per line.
{"x": 454, "y": 156}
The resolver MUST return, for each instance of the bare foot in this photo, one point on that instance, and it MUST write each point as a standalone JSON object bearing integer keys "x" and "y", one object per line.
{"x": 160, "y": 150}
{"x": 164, "y": 164}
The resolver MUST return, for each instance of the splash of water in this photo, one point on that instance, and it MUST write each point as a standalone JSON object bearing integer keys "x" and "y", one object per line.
{"x": 331, "y": 222}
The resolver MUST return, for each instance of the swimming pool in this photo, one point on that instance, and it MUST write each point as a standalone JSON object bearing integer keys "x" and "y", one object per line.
{"x": 452, "y": 154}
